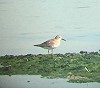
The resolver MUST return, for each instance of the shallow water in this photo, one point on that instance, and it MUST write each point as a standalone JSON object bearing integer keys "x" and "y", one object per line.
{"x": 27, "y": 22}
{"x": 35, "y": 81}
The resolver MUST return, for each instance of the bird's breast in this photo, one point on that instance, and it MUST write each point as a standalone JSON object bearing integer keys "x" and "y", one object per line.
{"x": 56, "y": 44}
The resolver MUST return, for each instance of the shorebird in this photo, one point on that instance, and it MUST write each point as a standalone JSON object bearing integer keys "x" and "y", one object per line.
{"x": 51, "y": 44}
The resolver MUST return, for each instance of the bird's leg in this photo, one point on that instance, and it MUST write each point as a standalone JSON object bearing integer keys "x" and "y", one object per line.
{"x": 48, "y": 51}
{"x": 52, "y": 51}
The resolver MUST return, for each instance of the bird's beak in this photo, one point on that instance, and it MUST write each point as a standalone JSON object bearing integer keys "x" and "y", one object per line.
{"x": 63, "y": 39}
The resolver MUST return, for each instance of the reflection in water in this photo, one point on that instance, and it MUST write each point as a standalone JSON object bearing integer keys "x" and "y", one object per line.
{"x": 35, "y": 81}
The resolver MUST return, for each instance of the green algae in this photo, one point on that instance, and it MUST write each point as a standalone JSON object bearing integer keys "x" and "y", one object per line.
{"x": 84, "y": 66}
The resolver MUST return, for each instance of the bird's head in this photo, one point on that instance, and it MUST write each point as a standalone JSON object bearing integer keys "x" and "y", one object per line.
{"x": 59, "y": 37}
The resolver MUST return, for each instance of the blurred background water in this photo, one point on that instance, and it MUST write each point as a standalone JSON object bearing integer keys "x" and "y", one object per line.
{"x": 27, "y": 22}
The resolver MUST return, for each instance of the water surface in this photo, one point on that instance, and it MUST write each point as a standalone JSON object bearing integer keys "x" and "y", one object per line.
{"x": 35, "y": 81}
{"x": 27, "y": 22}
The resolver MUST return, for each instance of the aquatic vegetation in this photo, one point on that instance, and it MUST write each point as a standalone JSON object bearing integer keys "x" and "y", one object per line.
{"x": 83, "y": 67}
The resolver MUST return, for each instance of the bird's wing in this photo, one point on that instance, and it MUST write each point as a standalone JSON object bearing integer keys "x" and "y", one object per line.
{"x": 48, "y": 43}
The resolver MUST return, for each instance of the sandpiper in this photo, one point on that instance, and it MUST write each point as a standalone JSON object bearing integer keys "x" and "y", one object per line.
{"x": 51, "y": 44}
